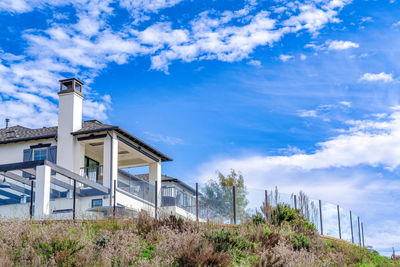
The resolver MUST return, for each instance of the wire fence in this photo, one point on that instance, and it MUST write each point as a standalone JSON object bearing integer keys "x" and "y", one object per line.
{"x": 234, "y": 205}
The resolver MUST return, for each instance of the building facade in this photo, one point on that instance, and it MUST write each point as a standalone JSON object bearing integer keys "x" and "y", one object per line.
{"x": 82, "y": 168}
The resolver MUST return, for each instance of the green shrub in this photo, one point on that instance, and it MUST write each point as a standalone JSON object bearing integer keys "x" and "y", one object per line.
{"x": 61, "y": 250}
{"x": 283, "y": 213}
{"x": 300, "y": 241}
{"x": 225, "y": 240}
{"x": 257, "y": 219}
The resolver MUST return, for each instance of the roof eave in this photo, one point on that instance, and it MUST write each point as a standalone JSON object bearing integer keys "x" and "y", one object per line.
{"x": 164, "y": 158}
{"x": 28, "y": 139}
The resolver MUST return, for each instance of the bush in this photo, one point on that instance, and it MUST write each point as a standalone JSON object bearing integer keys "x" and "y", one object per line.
{"x": 300, "y": 241}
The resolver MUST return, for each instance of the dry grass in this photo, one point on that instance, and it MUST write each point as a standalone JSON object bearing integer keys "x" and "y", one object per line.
{"x": 173, "y": 242}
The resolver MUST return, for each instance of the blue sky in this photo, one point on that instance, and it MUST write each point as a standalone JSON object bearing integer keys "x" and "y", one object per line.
{"x": 303, "y": 95}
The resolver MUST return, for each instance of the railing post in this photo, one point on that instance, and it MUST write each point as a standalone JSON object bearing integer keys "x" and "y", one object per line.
{"x": 197, "y": 202}
{"x": 320, "y": 216}
{"x": 155, "y": 200}
{"x": 31, "y": 204}
{"x": 295, "y": 202}
{"x": 234, "y": 204}
{"x": 351, "y": 224}
{"x": 362, "y": 228}
{"x": 74, "y": 202}
{"x": 115, "y": 197}
{"x": 338, "y": 216}
{"x": 359, "y": 230}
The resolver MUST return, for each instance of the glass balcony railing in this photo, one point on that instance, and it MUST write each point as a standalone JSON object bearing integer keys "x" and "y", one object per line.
{"x": 173, "y": 196}
{"x": 141, "y": 189}
{"x": 93, "y": 173}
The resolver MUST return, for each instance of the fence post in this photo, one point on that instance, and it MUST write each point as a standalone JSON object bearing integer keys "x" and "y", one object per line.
{"x": 234, "y": 203}
{"x": 115, "y": 199}
{"x": 155, "y": 200}
{"x": 362, "y": 228}
{"x": 295, "y": 202}
{"x": 31, "y": 204}
{"x": 197, "y": 202}
{"x": 338, "y": 216}
{"x": 320, "y": 216}
{"x": 351, "y": 224}
{"x": 74, "y": 202}
{"x": 359, "y": 230}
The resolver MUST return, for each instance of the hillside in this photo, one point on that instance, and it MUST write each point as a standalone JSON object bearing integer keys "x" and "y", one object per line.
{"x": 287, "y": 241}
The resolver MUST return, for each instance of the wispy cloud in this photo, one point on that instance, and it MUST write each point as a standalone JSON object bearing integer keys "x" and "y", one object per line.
{"x": 308, "y": 113}
{"x": 377, "y": 77}
{"x": 254, "y": 62}
{"x": 342, "y": 45}
{"x": 85, "y": 43}
{"x": 169, "y": 140}
{"x": 333, "y": 45}
{"x": 285, "y": 58}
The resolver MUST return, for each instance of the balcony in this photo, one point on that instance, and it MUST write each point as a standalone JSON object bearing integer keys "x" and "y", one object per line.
{"x": 93, "y": 173}
{"x": 141, "y": 189}
{"x": 173, "y": 196}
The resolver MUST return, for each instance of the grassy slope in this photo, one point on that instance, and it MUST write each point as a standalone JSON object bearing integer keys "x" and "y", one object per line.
{"x": 171, "y": 242}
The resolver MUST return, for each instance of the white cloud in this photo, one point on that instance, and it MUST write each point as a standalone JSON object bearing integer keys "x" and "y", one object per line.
{"x": 345, "y": 103}
{"x": 303, "y": 57}
{"x": 83, "y": 44}
{"x": 254, "y": 62}
{"x": 333, "y": 45}
{"x": 169, "y": 140}
{"x": 308, "y": 113}
{"x": 396, "y": 24}
{"x": 342, "y": 45}
{"x": 346, "y": 169}
{"x": 285, "y": 58}
{"x": 375, "y": 77}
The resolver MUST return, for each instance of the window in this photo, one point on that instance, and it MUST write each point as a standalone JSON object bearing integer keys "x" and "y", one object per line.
{"x": 40, "y": 154}
{"x": 92, "y": 169}
{"x": 97, "y": 203}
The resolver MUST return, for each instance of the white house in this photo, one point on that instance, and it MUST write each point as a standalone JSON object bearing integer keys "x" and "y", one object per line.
{"x": 76, "y": 169}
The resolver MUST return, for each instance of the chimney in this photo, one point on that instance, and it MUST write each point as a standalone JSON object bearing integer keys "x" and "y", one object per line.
{"x": 7, "y": 122}
{"x": 69, "y": 120}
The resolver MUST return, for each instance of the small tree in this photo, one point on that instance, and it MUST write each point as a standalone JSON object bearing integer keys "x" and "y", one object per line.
{"x": 218, "y": 196}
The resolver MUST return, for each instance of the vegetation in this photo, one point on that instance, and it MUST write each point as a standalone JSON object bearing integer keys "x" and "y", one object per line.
{"x": 284, "y": 239}
{"x": 218, "y": 197}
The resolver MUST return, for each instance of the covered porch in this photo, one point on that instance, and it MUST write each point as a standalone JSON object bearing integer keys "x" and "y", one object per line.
{"x": 105, "y": 155}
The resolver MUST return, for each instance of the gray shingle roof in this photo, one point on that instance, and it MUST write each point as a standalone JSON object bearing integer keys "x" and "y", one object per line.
{"x": 19, "y": 133}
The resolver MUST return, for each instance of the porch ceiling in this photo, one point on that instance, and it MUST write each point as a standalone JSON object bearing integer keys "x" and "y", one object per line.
{"x": 127, "y": 156}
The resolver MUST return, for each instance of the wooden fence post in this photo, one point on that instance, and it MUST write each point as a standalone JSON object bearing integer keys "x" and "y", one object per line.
{"x": 31, "y": 204}
{"x": 351, "y": 226}
{"x": 197, "y": 202}
{"x": 338, "y": 216}
{"x": 156, "y": 200}
{"x": 320, "y": 216}
{"x": 115, "y": 198}
{"x": 234, "y": 204}
{"x": 74, "y": 202}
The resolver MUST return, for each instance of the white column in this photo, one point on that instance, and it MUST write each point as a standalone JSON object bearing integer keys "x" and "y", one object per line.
{"x": 155, "y": 175}
{"x": 42, "y": 193}
{"x": 110, "y": 162}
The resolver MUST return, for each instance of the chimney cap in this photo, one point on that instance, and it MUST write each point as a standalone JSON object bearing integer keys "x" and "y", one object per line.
{"x": 71, "y": 79}
{"x": 71, "y": 85}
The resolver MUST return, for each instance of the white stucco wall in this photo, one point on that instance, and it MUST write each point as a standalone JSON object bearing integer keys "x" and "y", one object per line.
{"x": 132, "y": 202}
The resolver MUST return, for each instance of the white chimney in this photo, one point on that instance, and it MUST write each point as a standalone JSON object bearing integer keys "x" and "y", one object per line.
{"x": 69, "y": 120}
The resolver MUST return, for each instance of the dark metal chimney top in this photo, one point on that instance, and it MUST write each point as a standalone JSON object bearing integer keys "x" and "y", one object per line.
{"x": 7, "y": 122}
{"x": 71, "y": 85}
